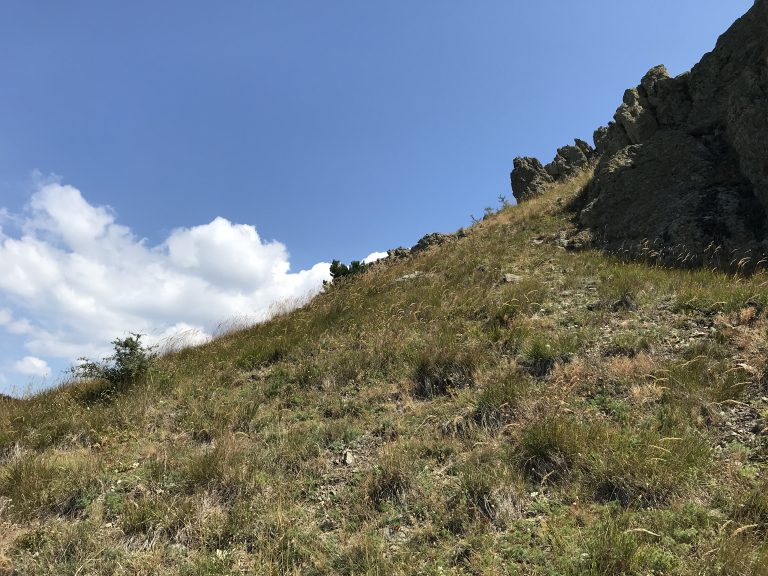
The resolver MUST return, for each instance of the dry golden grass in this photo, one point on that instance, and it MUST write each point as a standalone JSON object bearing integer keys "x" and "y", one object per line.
{"x": 649, "y": 393}
{"x": 623, "y": 368}
{"x": 6, "y": 566}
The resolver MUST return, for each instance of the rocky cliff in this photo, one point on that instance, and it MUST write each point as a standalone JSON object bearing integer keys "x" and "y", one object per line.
{"x": 683, "y": 166}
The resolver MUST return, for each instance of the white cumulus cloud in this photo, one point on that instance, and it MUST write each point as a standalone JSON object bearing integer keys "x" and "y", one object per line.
{"x": 32, "y": 366}
{"x": 374, "y": 256}
{"x": 72, "y": 279}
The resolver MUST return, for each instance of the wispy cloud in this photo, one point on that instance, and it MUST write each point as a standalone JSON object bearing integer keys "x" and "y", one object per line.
{"x": 32, "y": 366}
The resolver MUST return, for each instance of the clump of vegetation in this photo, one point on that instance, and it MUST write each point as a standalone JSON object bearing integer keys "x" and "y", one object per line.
{"x": 389, "y": 481}
{"x": 341, "y": 270}
{"x": 646, "y": 469}
{"x": 41, "y": 485}
{"x": 443, "y": 370}
{"x": 541, "y": 354}
{"x": 497, "y": 403}
{"x": 752, "y": 508}
{"x": 130, "y": 362}
{"x": 611, "y": 550}
{"x": 551, "y": 448}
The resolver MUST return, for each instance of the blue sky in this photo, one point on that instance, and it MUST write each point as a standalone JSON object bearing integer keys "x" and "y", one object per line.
{"x": 149, "y": 149}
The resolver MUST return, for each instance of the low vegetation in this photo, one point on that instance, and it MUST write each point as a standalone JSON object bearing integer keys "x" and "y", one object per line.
{"x": 498, "y": 404}
{"x": 340, "y": 270}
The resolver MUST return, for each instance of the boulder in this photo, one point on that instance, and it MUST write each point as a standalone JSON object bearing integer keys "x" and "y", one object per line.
{"x": 529, "y": 178}
{"x": 683, "y": 166}
{"x": 398, "y": 253}
{"x": 569, "y": 160}
{"x": 650, "y": 82}
{"x": 585, "y": 148}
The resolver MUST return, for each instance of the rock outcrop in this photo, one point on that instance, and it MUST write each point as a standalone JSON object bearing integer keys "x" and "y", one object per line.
{"x": 570, "y": 160}
{"x": 674, "y": 192}
{"x": 433, "y": 239}
{"x": 684, "y": 163}
{"x": 530, "y": 178}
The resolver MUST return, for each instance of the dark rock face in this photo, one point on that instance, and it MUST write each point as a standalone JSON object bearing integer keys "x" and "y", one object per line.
{"x": 676, "y": 192}
{"x": 610, "y": 139}
{"x": 569, "y": 160}
{"x": 636, "y": 117}
{"x": 684, "y": 164}
{"x": 729, "y": 87}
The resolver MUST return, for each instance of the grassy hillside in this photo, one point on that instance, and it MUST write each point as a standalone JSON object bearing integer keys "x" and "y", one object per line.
{"x": 495, "y": 405}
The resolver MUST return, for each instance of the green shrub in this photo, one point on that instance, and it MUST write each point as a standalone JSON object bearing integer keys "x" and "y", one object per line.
{"x": 339, "y": 270}
{"x": 130, "y": 362}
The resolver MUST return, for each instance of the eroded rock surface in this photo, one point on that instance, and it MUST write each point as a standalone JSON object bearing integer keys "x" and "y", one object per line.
{"x": 674, "y": 191}
{"x": 684, "y": 163}
{"x": 529, "y": 178}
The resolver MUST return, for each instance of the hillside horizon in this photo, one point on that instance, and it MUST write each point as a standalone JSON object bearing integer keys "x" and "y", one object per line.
{"x": 573, "y": 385}
{"x": 133, "y": 196}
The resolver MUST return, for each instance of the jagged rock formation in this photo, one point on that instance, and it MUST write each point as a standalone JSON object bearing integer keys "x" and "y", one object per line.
{"x": 425, "y": 243}
{"x": 684, "y": 163}
{"x": 429, "y": 240}
{"x": 530, "y": 178}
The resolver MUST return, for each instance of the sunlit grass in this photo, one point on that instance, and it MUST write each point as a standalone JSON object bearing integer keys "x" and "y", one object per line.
{"x": 496, "y": 413}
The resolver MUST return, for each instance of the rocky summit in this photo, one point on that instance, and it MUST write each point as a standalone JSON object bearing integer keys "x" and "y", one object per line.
{"x": 682, "y": 170}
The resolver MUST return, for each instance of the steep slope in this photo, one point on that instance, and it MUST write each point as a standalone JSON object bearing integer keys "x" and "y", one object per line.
{"x": 684, "y": 164}
{"x": 502, "y": 403}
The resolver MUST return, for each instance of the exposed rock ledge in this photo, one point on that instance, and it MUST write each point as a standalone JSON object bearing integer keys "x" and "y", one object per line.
{"x": 684, "y": 163}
